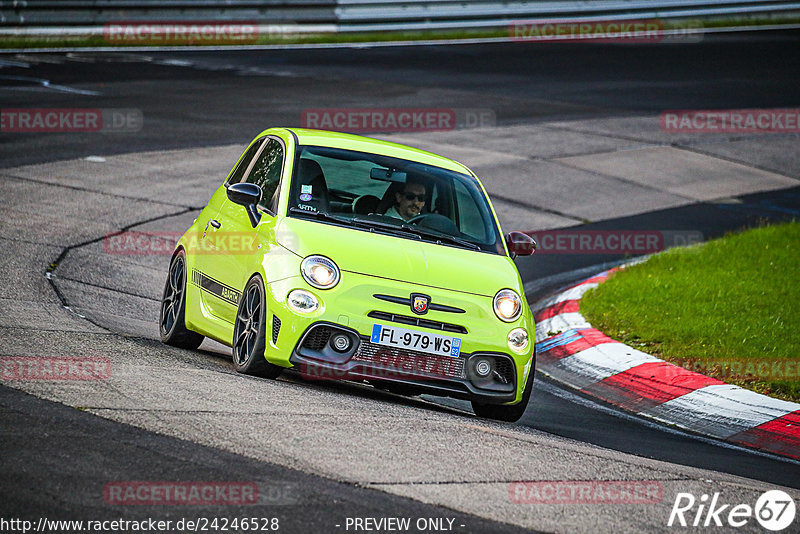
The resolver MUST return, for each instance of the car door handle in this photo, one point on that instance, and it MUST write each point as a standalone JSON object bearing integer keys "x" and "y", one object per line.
{"x": 215, "y": 223}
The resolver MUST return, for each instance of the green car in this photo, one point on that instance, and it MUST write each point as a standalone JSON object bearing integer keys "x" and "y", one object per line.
{"x": 345, "y": 257}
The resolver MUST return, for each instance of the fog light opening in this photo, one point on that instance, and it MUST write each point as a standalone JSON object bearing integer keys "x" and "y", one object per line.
{"x": 340, "y": 342}
{"x": 483, "y": 367}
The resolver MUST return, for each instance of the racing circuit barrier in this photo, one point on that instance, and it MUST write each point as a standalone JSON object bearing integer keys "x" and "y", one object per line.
{"x": 76, "y": 16}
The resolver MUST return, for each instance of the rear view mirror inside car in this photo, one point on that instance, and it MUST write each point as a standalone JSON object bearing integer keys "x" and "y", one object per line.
{"x": 387, "y": 175}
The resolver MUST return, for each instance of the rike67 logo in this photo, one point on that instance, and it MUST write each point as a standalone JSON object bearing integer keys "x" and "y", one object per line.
{"x": 774, "y": 510}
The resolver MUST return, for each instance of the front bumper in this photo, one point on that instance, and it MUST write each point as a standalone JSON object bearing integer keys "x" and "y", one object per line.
{"x": 316, "y": 359}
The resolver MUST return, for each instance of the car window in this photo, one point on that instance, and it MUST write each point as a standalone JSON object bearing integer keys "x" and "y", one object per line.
{"x": 347, "y": 175}
{"x": 405, "y": 198}
{"x": 470, "y": 218}
{"x": 244, "y": 162}
{"x": 266, "y": 173}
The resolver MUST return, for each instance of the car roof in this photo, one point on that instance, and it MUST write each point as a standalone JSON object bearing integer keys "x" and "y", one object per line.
{"x": 367, "y": 144}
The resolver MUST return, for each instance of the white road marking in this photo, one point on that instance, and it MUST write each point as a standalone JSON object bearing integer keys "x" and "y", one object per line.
{"x": 560, "y": 323}
{"x": 600, "y": 362}
{"x": 569, "y": 396}
{"x": 45, "y": 84}
{"x": 573, "y": 293}
{"x": 721, "y": 410}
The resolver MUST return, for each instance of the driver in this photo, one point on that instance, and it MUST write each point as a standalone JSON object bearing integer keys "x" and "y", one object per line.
{"x": 409, "y": 202}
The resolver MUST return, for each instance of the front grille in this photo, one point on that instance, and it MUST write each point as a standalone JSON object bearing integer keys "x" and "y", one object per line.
{"x": 407, "y": 302}
{"x": 410, "y": 361}
{"x": 317, "y": 338}
{"x": 417, "y": 321}
{"x": 276, "y": 328}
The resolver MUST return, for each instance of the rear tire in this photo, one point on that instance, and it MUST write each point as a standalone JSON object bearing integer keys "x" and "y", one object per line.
{"x": 504, "y": 412}
{"x": 249, "y": 333}
{"x": 172, "y": 319}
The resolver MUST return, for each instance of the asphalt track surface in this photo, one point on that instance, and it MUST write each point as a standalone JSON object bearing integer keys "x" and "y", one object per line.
{"x": 219, "y": 98}
{"x": 207, "y": 99}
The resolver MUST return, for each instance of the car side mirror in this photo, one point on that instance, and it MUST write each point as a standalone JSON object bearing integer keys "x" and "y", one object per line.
{"x": 247, "y": 195}
{"x": 520, "y": 244}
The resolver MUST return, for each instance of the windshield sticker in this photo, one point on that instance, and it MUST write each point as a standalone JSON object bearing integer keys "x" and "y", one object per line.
{"x": 305, "y": 197}
{"x": 307, "y": 207}
{"x": 306, "y": 188}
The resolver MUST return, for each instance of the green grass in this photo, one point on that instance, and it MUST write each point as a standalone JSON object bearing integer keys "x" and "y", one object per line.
{"x": 722, "y": 308}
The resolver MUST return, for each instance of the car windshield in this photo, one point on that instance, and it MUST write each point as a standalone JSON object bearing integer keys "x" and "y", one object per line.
{"x": 400, "y": 197}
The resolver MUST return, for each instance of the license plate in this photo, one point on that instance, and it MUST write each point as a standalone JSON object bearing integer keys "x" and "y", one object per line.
{"x": 403, "y": 338}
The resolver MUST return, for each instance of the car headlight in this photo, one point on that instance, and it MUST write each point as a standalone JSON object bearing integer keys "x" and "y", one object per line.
{"x": 320, "y": 272}
{"x": 507, "y": 305}
{"x": 302, "y": 301}
{"x": 518, "y": 340}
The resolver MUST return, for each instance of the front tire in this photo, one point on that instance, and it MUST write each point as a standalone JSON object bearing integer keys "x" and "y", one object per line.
{"x": 172, "y": 319}
{"x": 249, "y": 333}
{"x": 504, "y": 412}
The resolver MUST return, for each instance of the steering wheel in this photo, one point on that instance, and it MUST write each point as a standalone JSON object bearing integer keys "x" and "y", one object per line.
{"x": 437, "y": 222}
{"x": 417, "y": 218}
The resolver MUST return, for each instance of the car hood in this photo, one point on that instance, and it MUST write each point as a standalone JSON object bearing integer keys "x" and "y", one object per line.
{"x": 407, "y": 260}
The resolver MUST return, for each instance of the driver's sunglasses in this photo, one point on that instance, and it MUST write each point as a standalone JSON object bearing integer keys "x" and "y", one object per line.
{"x": 412, "y": 196}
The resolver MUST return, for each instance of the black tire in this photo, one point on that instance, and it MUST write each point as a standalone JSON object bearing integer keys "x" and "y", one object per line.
{"x": 249, "y": 333}
{"x": 504, "y": 412}
{"x": 172, "y": 319}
